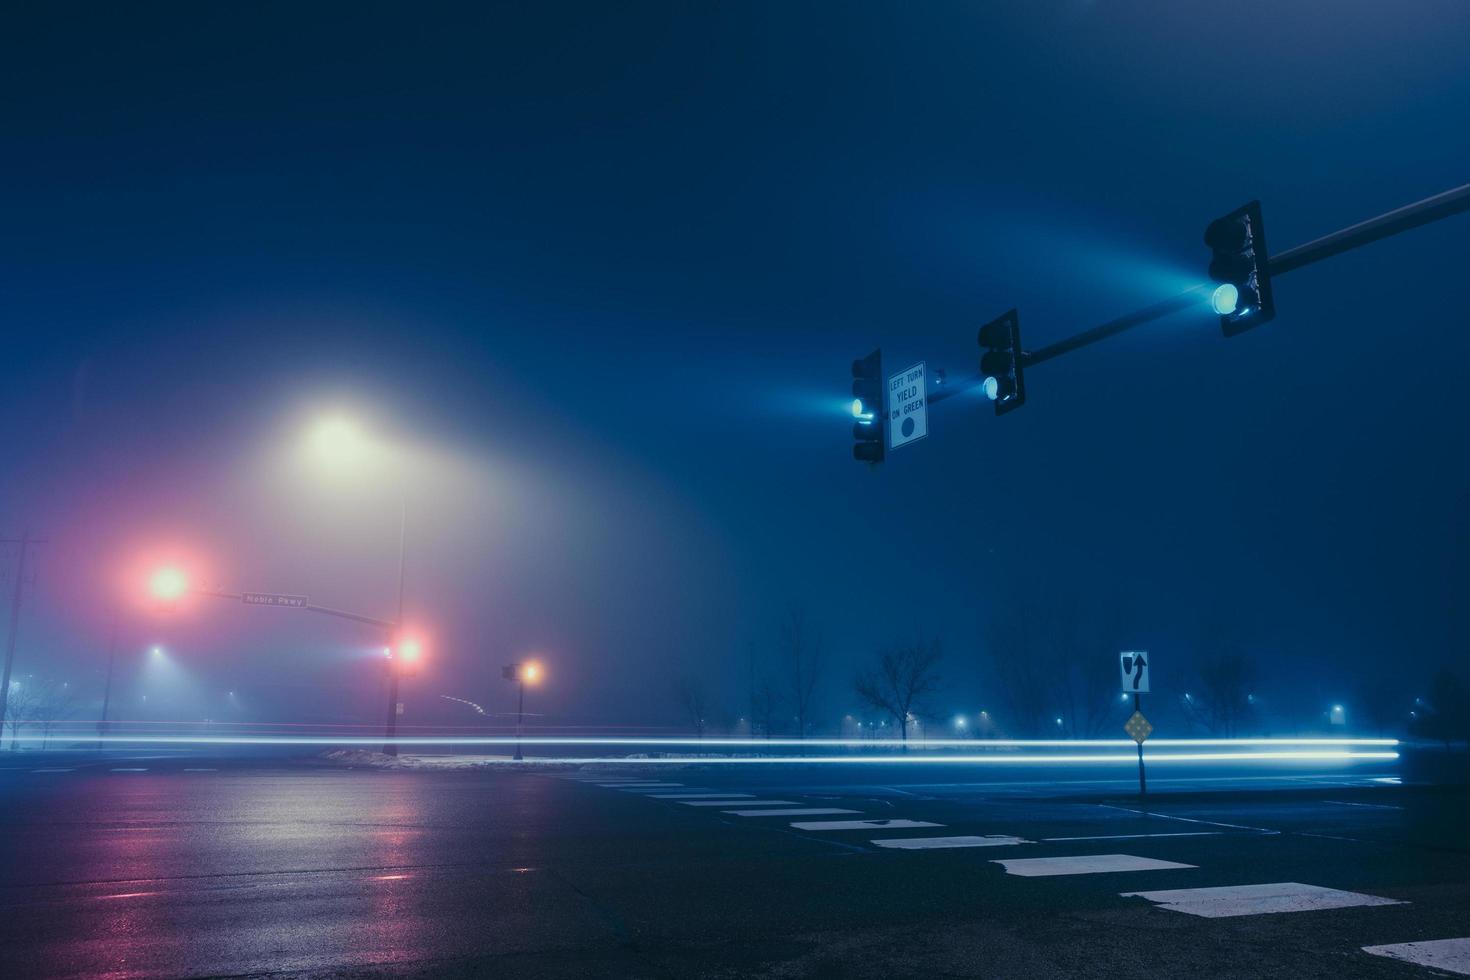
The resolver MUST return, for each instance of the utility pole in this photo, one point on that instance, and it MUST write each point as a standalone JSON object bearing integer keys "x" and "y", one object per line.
{"x": 25, "y": 541}
{"x": 520, "y": 710}
{"x": 107, "y": 687}
{"x": 395, "y": 665}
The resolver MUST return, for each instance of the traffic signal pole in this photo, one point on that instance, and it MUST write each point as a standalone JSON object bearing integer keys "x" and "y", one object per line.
{"x": 389, "y": 627}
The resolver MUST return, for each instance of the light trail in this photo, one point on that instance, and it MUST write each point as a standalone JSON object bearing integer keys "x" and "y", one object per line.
{"x": 1014, "y": 752}
{"x": 972, "y": 745}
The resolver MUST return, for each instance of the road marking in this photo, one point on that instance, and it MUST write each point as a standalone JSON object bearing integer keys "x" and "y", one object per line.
{"x": 54, "y": 770}
{"x": 130, "y": 770}
{"x": 925, "y": 843}
{"x": 698, "y": 796}
{"x": 1284, "y": 896}
{"x": 1186, "y": 833}
{"x": 862, "y": 824}
{"x": 1452, "y": 955}
{"x": 1170, "y": 816}
{"x": 1370, "y": 806}
{"x": 1084, "y": 864}
{"x": 798, "y": 812}
{"x": 729, "y": 802}
{"x": 1390, "y": 780}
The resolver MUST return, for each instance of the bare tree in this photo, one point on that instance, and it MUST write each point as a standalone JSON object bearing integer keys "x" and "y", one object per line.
{"x": 54, "y": 703}
{"x": 1055, "y": 657}
{"x": 22, "y": 703}
{"x": 1227, "y": 678}
{"x": 1446, "y": 717}
{"x": 765, "y": 702}
{"x": 802, "y": 661}
{"x": 1019, "y": 669}
{"x": 694, "y": 700}
{"x": 900, "y": 682}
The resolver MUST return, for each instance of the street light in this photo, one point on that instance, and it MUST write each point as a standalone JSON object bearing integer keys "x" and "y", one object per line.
{"x": 340, "y": 445}
{"x": 168, "y": 584}
{"x": 522, "y": 674}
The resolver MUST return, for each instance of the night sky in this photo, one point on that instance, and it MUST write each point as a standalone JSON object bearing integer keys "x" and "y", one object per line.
{"x": 597, "y": 273}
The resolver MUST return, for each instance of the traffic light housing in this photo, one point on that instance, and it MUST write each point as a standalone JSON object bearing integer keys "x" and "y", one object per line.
{"x": 1240, "y": 268}
{"x": 867, "y": 408}
{"x": 1002, "y": 364}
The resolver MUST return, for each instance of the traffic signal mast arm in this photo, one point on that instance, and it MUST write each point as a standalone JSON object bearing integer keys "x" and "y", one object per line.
{"x": 1410, "y": 216}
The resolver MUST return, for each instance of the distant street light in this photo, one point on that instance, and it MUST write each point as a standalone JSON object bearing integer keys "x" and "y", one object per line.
{"x": 522, "y": 674}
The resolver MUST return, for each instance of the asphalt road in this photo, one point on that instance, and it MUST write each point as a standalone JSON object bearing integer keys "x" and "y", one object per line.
{"x": 181, "y": 867}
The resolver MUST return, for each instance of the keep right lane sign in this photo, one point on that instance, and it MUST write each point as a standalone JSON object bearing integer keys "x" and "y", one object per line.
{"x": 1134, "y": 666}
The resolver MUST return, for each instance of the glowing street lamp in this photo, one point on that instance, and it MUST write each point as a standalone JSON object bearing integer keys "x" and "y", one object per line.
{"x": 523, "y": 674}
{"x": 168, "y": 584}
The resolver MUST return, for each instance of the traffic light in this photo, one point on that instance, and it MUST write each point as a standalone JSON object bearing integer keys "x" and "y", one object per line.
{"x": 867, "y": 408}
{"x": 1002, "y": 364}
{"x": 1240, "y": 267}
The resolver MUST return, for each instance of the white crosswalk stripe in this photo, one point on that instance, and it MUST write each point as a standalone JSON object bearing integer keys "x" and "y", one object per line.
{"x": 925, "y": 843}
{"x": 740, "y": 803}
{"x": 1190, "y": 833}
{"x": 699, "y": 796}
{"x": 797, "y": 812}
{"x": 863, "y": 824}
{"x": 1084, "y": 864}
{"x": 1282, "y": 896}
{"x": 1450, "y": 955}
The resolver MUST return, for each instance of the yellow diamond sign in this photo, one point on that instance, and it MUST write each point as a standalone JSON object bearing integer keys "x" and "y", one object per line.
{"x": 1138, "y": 727}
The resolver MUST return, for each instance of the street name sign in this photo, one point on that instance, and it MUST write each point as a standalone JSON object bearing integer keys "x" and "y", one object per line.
{"x": 908, "y": 407}
{"x": 1138, "y": 727}
{"x": 273, "y": 599}
{"x": 1134, "y": 668}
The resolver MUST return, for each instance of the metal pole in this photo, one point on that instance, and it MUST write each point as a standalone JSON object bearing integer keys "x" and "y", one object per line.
{"x": 1142, "y": 779}
{"x": 520, "y": 713}
{"x": 1451, "y": 202}
{"x": 1190, "y": 297}
{"x": 107, "y": 687}
{"x": 390, "y": 747}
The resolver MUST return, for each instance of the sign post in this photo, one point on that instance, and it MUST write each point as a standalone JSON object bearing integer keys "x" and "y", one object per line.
{"x": 908, "y": 407}
{"x": 1134, "y": 668}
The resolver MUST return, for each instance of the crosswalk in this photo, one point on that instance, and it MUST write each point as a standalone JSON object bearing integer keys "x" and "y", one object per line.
{"x": 1450, "y": 955}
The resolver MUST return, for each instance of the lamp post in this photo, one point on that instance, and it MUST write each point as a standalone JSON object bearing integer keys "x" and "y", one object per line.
{"x": 521, "y": 673}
